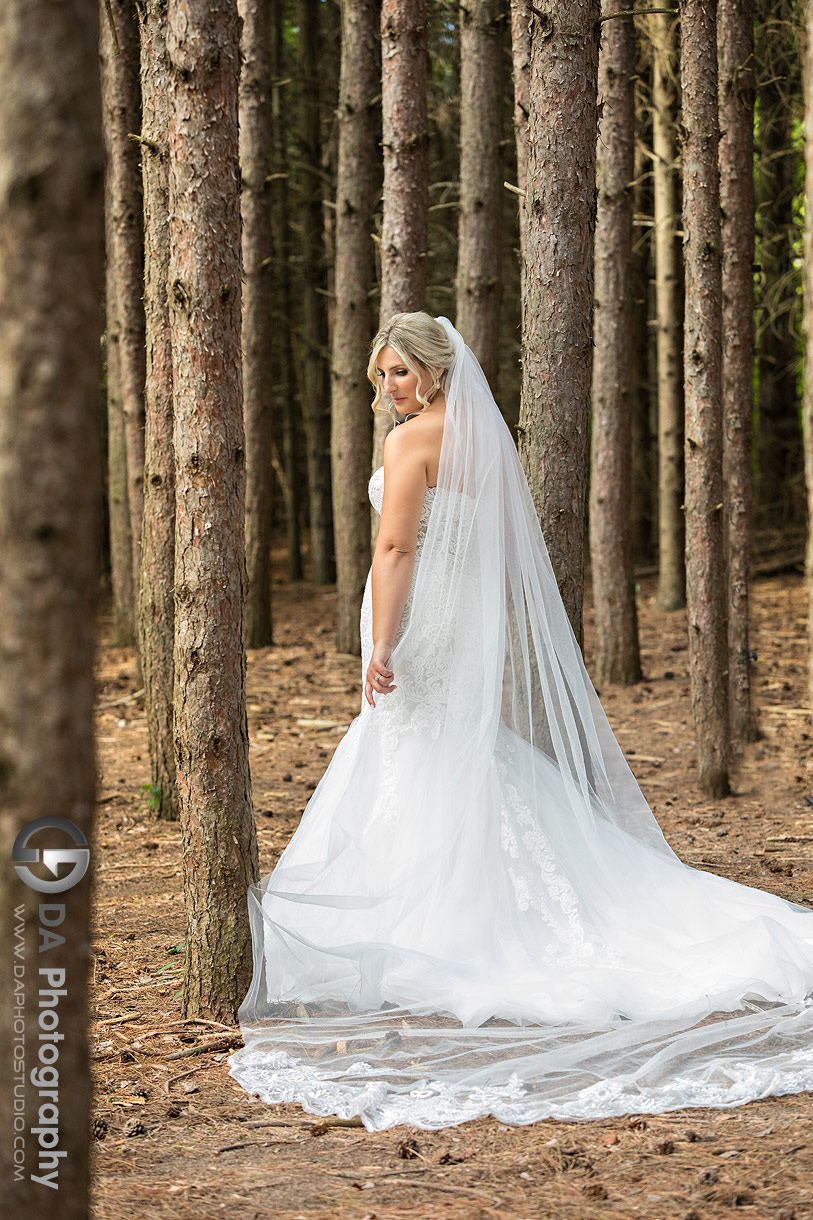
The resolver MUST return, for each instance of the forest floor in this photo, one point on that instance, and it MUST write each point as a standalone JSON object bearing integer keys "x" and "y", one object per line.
{"x": 185, "y": 1141}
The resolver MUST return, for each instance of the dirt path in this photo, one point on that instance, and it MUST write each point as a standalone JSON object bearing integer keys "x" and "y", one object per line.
{"x": 184, "y": 1140}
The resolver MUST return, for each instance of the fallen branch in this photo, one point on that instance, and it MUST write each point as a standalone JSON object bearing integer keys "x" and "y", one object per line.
{"x": 248, "y": 1144}
{"x": 387, "y": 1173}
{"x": 124, "y": 699}
{"x": 222, "y": 1043}
{"x": 173, "y": 1079}
{"x": 332, "y": 1121}
{"x": 165, "y": 1029}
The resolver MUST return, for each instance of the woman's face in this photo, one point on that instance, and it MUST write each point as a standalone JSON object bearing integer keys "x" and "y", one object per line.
{"x": 401, "y": 385}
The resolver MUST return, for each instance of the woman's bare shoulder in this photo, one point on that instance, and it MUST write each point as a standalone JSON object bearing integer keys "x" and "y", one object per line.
{"x": 417, "y": 438}
{"x": 404, "y": 439}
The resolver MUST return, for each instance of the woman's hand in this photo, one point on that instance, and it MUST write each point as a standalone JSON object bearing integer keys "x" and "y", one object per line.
{"x": 379, "y": 665}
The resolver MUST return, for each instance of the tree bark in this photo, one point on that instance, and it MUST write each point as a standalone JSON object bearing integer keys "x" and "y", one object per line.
{"x": 330, "y": 70}
{"x": 404, "y": 230}
{"x": 51, "y": 275}
{"x": 257, "y": 165}
{"x": 807, "y": 418}
{"x": 121, "y": 94}
{"x": 702, "y": 370}
{"x": 669, "y": 304}
{"x": 121, "y": 547}
{"x": 557, "y": 340}
{"x": 779, "y": 449}
{"x": 479, "y": 247}
{"x": 644, "y": 482}
{"x": 156, "y": 610}
{"x": 617, "y": 658}
{"x": 352, "y": 424}
{"x": 211, "y": 735}
{"x": 282, "y": 350}
{"x": 735, "y": 42}
{"x": 315, "y": 341}
{"x": 521, "y": 54}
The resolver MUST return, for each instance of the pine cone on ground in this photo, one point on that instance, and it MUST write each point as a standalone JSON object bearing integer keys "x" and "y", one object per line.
{"x": 99, "y": 1128}
{"x": 135, "y": 1127}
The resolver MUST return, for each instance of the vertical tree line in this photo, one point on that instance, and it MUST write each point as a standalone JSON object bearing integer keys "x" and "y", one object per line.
{"x": 702, "y": 374}
{"x": 156, "y": 603}
{"x": 405, "y": 145}
{"x": 231, "y": 196}
{"x": 357, "y": 185}
{"x": 735, "y": 41}
{"x": 479, "y": 277}
{"x": 52, "y": 159}
{"x": 807, "y": 77}
{"x": 313, "y": 342}
{"x": 557, "y": 280}
{"x": 204, "y": 292}
{"x": 119, "y": 63}
{"x": 669, "y": 312}
{"x": 337, "y": 182}
{"x": 256, "y": 169}
{"x": 266, "y": 205}
{"x": 617, "y": 656}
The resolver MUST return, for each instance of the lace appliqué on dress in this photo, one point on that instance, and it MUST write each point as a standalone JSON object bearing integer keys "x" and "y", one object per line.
{"x": 411, "y": 706}
{"x": 278, "y": 1077}
{"x": 540, "y": 885}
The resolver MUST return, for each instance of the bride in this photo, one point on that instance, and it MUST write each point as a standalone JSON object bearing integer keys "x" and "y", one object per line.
{"x": 478, "y": 913}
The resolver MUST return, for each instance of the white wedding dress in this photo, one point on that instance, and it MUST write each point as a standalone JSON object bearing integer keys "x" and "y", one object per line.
{"x": 428, "y": 950}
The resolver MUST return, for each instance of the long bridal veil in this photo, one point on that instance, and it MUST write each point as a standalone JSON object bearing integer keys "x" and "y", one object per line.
{"x": 510, "y": 933}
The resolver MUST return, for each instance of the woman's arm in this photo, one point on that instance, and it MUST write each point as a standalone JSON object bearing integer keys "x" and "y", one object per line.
{"x": 394, "y": 558}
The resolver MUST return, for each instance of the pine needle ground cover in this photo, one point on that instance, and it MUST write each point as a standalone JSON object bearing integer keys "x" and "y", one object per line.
{"x": 176, "y": 1137}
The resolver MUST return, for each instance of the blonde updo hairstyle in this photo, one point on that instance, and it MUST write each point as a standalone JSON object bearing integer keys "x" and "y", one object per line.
{"x": 422, "y": 344}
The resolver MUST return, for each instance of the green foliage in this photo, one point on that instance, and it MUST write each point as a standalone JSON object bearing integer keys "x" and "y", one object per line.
{"x": 174, "y": 950}
{"x": 153, "y": 803}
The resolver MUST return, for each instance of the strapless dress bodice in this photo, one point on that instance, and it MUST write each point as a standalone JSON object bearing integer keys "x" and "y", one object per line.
{"x": 375, "y": 491}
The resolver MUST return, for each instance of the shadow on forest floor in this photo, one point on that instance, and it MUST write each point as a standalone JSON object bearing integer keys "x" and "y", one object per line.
{"x": 184, "y": 1140}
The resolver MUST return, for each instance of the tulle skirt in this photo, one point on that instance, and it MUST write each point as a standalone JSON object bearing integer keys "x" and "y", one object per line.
{"x": 426, "y": 960}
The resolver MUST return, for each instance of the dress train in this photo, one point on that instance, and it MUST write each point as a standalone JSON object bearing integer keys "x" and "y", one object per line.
{"x": 423, "y": 960}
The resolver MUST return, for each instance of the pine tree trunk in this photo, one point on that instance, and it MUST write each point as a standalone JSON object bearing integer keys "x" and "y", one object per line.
{"x": 479, "y": 249}
{"x": 669, "y": 297}
{"x": 735, "y": 42}
{"x": 121, "y": 95}
{"x": 51, "y": 276}
{"x": 353, "y": 324}
{"x": 330, "y": 62}
{"x": 644, "y": 482}
{"x": 702, "y": 371}
{"x": 557, "y": 340}
{"x": 156, "y": 610}
{"x": 404, "y": 230}
{"x": 521, "y": 54}
{"x": 211, "y": 735}
{"x": 617, "y": 657}
{"x": 256, "y": 164}
{"x": 315, "y": 350}
{"x": 121, "y": 547}
{"x": 778, "y": 434}
{"x": 807, "y": 418}
{"x": 281, "y": 350}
